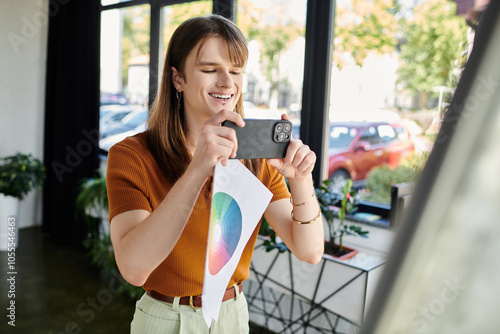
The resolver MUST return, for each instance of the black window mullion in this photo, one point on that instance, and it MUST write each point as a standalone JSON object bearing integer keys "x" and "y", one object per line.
{"x": 125, "y": 4}
{"x": 154, "y": 48}
{"x": 316, "y": 87}
{"x": 226, "y": 8}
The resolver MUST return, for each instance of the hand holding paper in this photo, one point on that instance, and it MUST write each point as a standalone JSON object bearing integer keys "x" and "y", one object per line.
{"x": 238, "y": 201}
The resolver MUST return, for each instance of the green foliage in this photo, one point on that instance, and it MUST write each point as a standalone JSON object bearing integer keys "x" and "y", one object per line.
{"x": 136, "y": 26}
{"x": 436, "y": 38}
{"x": 326, "y": 200}
{"x": 272, "y": 242}
{"x": 274, "y": 40}
{"x": 348, "y": 205}
{"x": 364, "y": 27}
{"x": 136, "y": 35}
{"x": 176, "y": 14}
{"x": 93, "y": 196}
{"x": 380, "y": 179}
{"x": 347, "y": 202}
{"x": 92, "y": 201}
{"x": 356, "y": 231}
{"x": 103, "y": 257}
{"x": 274, "y": 35}
{"x": 19, "y": 174}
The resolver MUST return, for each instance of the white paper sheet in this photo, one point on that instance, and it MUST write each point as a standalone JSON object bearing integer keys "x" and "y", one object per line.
{"x": 238, "y": 201}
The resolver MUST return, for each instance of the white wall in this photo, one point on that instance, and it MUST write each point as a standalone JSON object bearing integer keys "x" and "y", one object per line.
{"x": 23, "y": 53}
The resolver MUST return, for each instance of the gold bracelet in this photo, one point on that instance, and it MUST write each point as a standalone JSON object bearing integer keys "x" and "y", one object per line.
{"x": 291, "y": 201}
{"x": 308, "y": 222}
{"x": 303, "y": 203}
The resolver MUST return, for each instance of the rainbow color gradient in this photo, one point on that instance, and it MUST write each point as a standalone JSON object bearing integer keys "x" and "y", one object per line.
{"x": 225, "y": 231}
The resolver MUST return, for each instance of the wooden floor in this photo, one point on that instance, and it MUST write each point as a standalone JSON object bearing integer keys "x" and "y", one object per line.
{"x": 58, "y": 291}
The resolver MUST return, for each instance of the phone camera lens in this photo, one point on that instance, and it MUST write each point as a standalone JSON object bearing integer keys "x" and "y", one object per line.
{"x": 279, "y": 128}
{"x": 281, "y": 137}
{"x": 287, "y": 127}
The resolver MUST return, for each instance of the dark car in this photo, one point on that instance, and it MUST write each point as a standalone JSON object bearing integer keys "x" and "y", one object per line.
{"x": 357, "y": 147}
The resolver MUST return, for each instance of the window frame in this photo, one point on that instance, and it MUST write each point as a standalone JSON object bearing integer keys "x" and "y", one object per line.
{"x": 317, "y": 67}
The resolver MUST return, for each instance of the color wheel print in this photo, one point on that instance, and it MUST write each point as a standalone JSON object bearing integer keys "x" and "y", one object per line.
{"x": 225, "y": 231}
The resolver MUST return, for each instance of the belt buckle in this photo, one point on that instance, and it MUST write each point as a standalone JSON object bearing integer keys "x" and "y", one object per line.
{"x": 236, "y": 290}
{"x": 191, "y": 302}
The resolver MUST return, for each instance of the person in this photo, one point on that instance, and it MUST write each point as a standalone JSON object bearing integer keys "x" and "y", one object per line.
{"x": 159, "y": 183}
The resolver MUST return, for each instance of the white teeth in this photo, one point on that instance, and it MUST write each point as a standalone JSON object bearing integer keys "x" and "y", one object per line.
{"x": 218, "y": 96}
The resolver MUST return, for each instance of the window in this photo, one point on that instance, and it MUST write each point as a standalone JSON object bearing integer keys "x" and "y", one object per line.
{"x": 396, "y": 62}
{"x": 125, "y": 61}
{"x": 456, "y": 210}
{"x": 275, "y": 33}
{"x": 111, "y": 2}
{"x": 274, "y": 29}
{"x": 341, "y": 136}
{"x": 386, "y": 133}
{"x": 401, "y": 133}
{"x": 125, "y": 35}
{"x": 371, "y": 136}
{"x": 172, "y": 17}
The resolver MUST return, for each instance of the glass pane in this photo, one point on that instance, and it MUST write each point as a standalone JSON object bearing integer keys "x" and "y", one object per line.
{"x": 341, "y": 136}
{"x": 111, "y": 2}
{"x": 444, "y": 277}
{"x": 386, "y": 132}
{"x": 395, "y": 62}
{"x": 275, "y": 32}
{"x": 370, "y": 135}
{"x": 173, "y": 16}
{"x": 124, "y": 73}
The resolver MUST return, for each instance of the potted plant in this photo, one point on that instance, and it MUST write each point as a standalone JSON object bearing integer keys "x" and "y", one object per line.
{"x": 92, "y": 201}
{"x": 328, "y": 201}
{"x": 19, "y": 174}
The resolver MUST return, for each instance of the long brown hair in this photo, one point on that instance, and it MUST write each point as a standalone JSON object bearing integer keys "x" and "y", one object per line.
{"x": 166, "y": 126}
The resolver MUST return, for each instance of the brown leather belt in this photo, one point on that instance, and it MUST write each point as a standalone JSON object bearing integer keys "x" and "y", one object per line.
{"x": 194, "y": 301}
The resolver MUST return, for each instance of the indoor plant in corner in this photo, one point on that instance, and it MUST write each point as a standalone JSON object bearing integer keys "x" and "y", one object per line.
{"x": 327, "y": 201}
{"x": 92, "y": 201}
{"x": 19, "y": 174}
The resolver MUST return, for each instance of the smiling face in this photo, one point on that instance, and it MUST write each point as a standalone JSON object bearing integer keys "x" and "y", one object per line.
{"x": 210, "y": 82}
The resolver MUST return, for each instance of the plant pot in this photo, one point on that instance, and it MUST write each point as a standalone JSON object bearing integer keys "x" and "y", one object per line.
{"x": 9, "y": 221}
{"x": 335, "y": 252}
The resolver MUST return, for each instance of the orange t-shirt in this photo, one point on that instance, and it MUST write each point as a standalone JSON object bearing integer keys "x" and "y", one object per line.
{"x": 134, "y": 181}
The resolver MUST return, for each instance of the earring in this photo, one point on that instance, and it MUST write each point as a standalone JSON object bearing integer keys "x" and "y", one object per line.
{"x": 178, "y": 95}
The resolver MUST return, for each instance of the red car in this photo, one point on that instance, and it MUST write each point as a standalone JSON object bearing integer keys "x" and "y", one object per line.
{"x": 356, "y": 147}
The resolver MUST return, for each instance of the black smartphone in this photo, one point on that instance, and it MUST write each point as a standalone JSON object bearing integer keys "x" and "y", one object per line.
{"x": 262, "y": 138}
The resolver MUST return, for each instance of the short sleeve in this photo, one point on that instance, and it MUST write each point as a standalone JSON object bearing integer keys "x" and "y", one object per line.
{"x": 275, "y": 182}
{"x": 126, "y": 182}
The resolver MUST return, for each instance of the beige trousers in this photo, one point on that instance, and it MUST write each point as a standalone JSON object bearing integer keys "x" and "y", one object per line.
{"x": 156, "y": 317}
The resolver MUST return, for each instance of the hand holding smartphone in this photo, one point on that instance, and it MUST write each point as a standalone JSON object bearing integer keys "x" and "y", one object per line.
{"x": 262, "y": 138}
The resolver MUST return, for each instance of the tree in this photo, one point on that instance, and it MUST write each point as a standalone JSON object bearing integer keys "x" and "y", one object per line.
{"x": 174, "y": 15}
{"x": 273, "y": 29}
{"x": 435, "y": 40}
{"x": 135, "y": 40}
{"x": 364, "y": 27}
{"x": 136, "y": 26}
